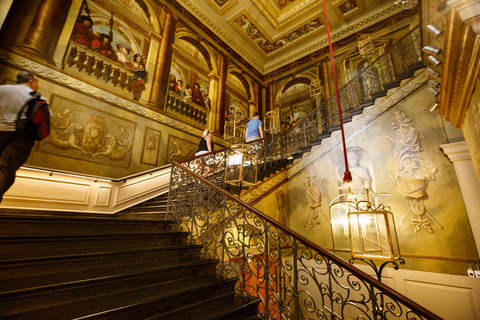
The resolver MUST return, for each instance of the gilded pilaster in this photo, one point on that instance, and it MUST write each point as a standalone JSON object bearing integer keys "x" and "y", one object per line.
{"x": 222, "y": 95}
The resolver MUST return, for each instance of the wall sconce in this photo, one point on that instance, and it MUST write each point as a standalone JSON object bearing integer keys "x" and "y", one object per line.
{"x": 434, "y": 60}
{"x": 434, "y": 106}
{"x": 434, "y": 83}
{"x": 432, "y": 50}
{"x": 434, "y": 91}
{"x": 365, "y": 45}
{"x": 434, "y": 30}
{"x": 407, "y": 4}
{"x": 434, "y": 73}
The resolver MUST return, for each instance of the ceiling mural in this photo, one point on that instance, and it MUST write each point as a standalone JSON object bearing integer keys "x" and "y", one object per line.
{"x": 266, "y": 44}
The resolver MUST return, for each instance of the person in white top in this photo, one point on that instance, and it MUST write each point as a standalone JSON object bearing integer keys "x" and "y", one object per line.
{"x": 15, "y": 146}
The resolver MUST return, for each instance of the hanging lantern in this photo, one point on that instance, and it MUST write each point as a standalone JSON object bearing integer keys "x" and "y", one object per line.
{"x": 365, "y": 45}
{"x": 372, "y": 232}
{"x": 241, "y": 167}
{"x": 271, "y": 122}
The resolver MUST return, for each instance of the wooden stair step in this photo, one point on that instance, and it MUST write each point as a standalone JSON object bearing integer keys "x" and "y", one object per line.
{"x": 45, "y": 246}
{"x": 46, "y": 225}
{"x": 163, "y": 297}
{"x": 21, "y": 276}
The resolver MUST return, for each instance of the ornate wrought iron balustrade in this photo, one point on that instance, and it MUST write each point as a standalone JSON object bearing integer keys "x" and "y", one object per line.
{"x": 374, "y": 79}
{"x": 293, "y": 277}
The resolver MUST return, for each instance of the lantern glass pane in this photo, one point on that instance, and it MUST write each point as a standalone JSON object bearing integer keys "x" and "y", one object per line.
{"x": 234, "y": 168}
{"x": 340, "y": 232}
{"x": 371, "y": 236}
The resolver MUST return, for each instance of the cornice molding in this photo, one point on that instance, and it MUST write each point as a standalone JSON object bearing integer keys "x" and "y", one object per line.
{"x": 461, "y": 65}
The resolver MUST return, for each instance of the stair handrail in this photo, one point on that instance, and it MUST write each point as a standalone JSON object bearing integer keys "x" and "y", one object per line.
{"x": 218, "y": 211}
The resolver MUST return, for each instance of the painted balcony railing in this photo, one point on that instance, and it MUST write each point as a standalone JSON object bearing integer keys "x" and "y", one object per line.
{"x": 383, "y": 73}
{"x": 100, "y": 69}
{"x": 177, "y": 105}
{"x": 293, "y": 277}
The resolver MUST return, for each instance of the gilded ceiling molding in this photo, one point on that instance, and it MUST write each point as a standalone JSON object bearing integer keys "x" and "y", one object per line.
{"x": 461, "y": 66}
{"x": 360, "y": 123}
{"x": 347, "y": 8}
{"x": 221, "y": 5}
{"x": 277, "y": 20}
{"x": 264, "y": 188}
{"x": 344, "y": 32}
{"x": 58, "y": 76}
{"x": 244, "y": 23}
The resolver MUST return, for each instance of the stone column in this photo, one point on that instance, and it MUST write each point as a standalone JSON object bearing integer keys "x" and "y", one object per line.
{"x": 213, "y": 95}
{"x": 268, "y": 97}
{"x": 252, "y": 108}
{"x": 164, "y": 62}
{"x": 221, "y": 96}
{"x": 324, "y": 77}
{"x": 470, "y": 187}
{"x": 46, "y": 27}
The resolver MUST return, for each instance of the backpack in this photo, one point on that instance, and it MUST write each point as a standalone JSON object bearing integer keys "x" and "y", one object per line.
{"x": 36, "y": 125}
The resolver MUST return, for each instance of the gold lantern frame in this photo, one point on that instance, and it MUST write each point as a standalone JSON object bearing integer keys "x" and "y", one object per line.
{"x": 241, "y": 166}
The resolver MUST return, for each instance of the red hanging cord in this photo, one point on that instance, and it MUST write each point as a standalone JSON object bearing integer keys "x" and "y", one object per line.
{"x": 347, "y": 176}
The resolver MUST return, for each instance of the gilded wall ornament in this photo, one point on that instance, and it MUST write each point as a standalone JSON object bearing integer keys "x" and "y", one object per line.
{"x": 179, "y": 148}
{"x": 91, "y": 137}
{"x": 416, "y": 173}
{"x": 282, "y": 206}
{"x": 150, "y": 146}
{"x": 314, "y": 197}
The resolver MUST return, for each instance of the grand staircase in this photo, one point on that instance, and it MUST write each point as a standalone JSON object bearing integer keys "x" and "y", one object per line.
{"x": 57, "y": 267}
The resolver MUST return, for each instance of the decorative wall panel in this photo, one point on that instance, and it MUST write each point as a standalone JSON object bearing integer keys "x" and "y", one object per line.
{"x": 85, "y": 133}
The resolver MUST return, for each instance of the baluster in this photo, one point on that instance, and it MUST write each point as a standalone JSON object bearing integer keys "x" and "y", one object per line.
{"x": 98, "y": 69}
{"x": 123, "y": 80}
{"x": 82, "y": 57}
{"x": 129, "y": 83}
{"x": 71, "y": 57}
{"x": 106, "y": 74}
{"x": 89, "y": 67}
{"x": 115, "y": 76}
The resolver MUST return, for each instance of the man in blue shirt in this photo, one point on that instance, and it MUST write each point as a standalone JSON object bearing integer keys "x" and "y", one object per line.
{"x": 254, "y": 129}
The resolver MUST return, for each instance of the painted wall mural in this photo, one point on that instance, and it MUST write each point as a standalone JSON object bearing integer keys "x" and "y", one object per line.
{"x": 102, "y": 40}
{"x": 179, "y": 148}
{"x": 81, "y": 132}
{"x": 416, "y": 173}
{"x": 151, "y": 146}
